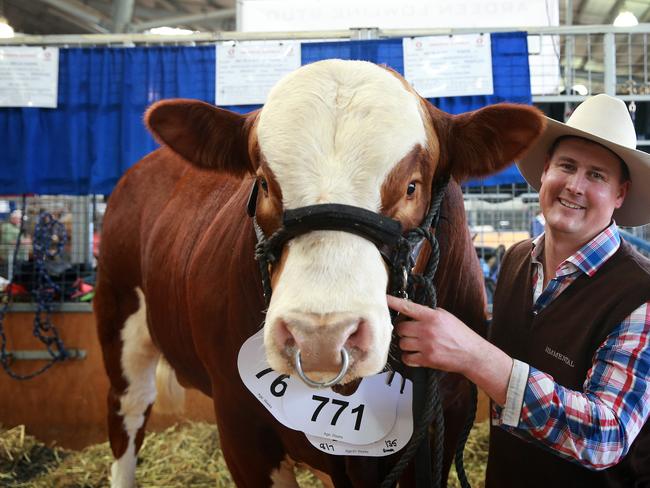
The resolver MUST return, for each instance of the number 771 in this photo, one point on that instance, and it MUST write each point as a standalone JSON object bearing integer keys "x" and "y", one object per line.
{"x": 342, "y": 404}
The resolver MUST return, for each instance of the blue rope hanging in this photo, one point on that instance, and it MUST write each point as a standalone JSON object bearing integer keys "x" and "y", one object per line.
{"x": 49, "y": 240}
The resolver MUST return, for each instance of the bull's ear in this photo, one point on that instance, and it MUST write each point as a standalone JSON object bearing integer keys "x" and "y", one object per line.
{"x": 206, "y": 136}
{"x": 487, "y": 140}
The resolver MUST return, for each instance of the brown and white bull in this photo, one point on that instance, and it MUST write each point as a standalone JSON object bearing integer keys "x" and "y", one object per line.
{"x": 177, "y": 275}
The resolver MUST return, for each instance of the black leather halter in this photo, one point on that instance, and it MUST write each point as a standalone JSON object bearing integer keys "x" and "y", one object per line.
{"x": 400, "y": 251}
{"x": 376, "y": 228}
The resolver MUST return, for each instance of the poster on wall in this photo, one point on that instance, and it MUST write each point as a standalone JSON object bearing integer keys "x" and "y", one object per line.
{"x": 449, "y": 66}
{"x": 29, "y": 76}
{"x": 246, "y": 71}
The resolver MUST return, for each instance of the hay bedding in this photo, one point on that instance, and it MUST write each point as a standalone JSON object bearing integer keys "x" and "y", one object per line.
{"x": 182, "y": 456}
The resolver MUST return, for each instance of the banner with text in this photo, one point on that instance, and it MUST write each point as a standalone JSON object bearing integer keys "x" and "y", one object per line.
{"x": 299, "y": 15}
{"x": 29, "y": 76}
{"x": 449, "y": 66}
{"x": 246, "y": 71}
{"x": 317, "y": 15}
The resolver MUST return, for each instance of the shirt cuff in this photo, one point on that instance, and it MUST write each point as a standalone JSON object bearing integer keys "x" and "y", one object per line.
{"x": 515, "y": 395}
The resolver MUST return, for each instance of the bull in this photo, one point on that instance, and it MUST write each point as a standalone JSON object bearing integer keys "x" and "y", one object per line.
{"x": 178, "y": 285}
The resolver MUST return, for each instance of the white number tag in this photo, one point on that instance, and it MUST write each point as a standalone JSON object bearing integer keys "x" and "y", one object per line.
{"x": 395, "y": 440}
{"x": 374, "y": 421}
{"x": 264, "y": 383}
{"x": 361, "y": 418}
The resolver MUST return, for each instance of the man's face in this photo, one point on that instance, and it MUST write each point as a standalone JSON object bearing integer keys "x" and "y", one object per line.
{"x": 581, "y": 187}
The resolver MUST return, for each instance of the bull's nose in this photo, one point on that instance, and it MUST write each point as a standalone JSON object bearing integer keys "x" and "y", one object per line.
{"x": 320, "y": 338}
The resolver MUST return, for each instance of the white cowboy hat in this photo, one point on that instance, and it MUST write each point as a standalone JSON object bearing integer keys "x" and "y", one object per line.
{"x": 605, "y": 120}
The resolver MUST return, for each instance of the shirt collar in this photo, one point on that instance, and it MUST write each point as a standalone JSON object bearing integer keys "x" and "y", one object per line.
{"x": 590, "y": 257}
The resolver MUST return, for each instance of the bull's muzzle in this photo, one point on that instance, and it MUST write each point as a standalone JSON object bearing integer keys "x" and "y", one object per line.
{"x": 345, "y": 362}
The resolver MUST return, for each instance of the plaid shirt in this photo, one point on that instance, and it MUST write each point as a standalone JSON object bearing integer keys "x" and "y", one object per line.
{"x": 596, "y": 426}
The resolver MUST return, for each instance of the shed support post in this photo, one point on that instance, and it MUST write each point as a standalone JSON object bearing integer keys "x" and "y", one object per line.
{"x": 609, "y": 67}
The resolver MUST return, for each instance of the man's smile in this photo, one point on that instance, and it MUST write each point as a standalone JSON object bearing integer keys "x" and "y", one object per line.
{"x": 568, "y": 204}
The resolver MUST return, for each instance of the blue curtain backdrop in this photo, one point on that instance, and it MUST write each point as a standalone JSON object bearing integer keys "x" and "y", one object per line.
{"x": 96, "y": 133}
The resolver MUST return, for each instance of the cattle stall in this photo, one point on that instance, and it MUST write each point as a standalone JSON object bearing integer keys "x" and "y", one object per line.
{"x": 82, "y": 147}
{"x": 67, "y": 405}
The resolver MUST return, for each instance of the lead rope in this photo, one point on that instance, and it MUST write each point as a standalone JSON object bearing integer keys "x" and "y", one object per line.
{"x": 469, "y": 423}
{"x": 426, "y": 392}
{"x": 428, "y": 403}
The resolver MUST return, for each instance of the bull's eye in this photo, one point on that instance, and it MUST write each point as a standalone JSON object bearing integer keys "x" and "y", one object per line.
{"x": 264, "y": 184}
{"x": 410, "y": 190}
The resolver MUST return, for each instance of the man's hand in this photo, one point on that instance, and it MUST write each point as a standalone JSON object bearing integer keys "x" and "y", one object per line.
{"x": 437, "y": 339}
{"x": 434, "y": 338}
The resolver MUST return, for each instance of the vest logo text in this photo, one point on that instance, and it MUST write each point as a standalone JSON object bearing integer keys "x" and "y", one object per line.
{"x": 568, "y": 361}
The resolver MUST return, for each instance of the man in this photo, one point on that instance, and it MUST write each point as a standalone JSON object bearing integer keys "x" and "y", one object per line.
{"x": 8, "y": 234}
{"x": 568, "y": 362}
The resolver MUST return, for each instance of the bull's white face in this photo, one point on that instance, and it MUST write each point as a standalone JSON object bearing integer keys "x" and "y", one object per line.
{"x": 331, "y": 132}
{"x": 345, "y": 132}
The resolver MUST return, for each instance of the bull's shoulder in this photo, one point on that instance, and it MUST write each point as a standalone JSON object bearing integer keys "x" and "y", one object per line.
{"x": 159, "y": 170}
{"x": 136, "y": 200}
{"x": 143, "y": 189}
